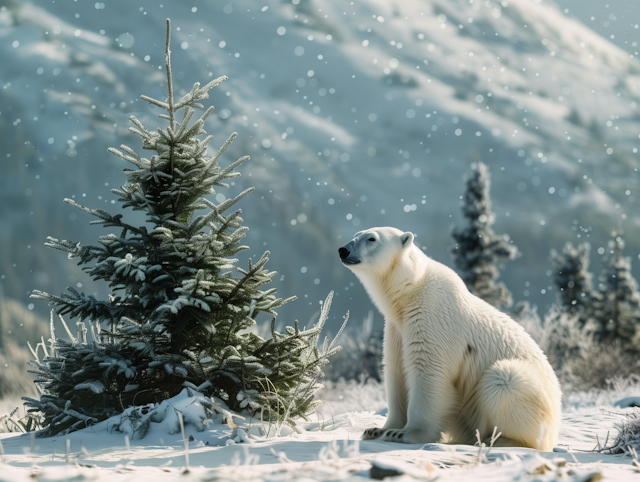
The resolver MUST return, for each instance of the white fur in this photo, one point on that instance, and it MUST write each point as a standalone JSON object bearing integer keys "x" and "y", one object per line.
{"x": 453, "y": 363}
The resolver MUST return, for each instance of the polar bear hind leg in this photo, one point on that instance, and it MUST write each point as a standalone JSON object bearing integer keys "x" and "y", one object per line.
{"x": 512, "y": 396}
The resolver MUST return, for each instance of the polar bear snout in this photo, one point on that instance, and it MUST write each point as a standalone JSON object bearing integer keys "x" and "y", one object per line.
{"x": 347, "y": 255}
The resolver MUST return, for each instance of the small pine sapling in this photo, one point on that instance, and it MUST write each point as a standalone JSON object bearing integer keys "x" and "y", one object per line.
{"x": 179, "y": 307}
{"x": 479, "y": 251}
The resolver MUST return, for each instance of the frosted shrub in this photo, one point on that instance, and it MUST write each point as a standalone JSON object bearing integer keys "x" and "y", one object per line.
{"x": 627, "y": 440}
{"x": 361, "y": 355}
{"x": 600, "y": 366}
{"x": 580, "y": 361}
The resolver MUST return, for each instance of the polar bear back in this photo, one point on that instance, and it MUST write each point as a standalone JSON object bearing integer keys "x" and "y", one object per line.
{"x": 463, "y": 318}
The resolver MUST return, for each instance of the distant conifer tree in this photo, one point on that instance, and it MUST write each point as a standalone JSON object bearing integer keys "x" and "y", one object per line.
{"x": 617, "y": 300}
{"x": 573, "y": 280}
{"x": 180, "y": 308}
{"x": 479, "y": 251}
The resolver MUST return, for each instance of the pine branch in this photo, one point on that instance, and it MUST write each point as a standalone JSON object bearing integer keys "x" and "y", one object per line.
{"x": 80, "y": 305}
{"x": 162, "y": 105}
{"x": 109, "y": 220}
{"x": 255, "y": 269}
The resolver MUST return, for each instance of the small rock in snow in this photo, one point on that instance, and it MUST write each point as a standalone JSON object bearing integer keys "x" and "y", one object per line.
{"x": 628, "y": 402}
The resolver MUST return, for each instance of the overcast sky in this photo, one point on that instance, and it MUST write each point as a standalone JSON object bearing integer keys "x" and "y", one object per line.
{"x": 617, "y": 20}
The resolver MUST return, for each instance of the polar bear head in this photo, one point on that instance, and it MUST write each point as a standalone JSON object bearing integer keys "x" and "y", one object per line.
{"x": 374, "y": 250}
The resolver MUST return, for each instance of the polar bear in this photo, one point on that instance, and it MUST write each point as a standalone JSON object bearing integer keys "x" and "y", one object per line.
{"x": 453, "y": 363}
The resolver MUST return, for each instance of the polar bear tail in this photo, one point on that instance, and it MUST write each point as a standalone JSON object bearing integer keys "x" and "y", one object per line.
{"x": 512, "y": 396}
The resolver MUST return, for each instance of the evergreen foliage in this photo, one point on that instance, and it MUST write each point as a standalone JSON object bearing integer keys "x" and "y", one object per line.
{"x": 479, "y": 251}
{"x": 617, "y": 300}
{"x": 572, "y": 278}
{"x": 177, "y": 313}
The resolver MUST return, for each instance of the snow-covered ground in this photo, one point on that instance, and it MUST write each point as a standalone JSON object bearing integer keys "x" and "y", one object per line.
{"x": 328, "y": 448}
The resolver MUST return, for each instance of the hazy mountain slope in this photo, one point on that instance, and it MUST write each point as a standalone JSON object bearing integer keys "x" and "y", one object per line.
{"x": 387, "y": 102}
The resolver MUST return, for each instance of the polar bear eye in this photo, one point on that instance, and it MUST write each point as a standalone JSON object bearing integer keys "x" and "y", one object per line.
{"x": 372, "y": 239}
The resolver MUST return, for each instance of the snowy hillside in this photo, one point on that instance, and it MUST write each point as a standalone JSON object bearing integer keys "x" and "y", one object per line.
{"x": 355, "y": 114}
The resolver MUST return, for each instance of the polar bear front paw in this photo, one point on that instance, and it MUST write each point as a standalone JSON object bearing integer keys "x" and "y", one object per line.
{"x": 407, "y": 436}
{"x": 372, "y": 433}
{"x": 395, "y": 436}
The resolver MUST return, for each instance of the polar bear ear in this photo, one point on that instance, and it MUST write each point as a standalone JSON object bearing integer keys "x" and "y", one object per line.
{"x": 406, "y": 239}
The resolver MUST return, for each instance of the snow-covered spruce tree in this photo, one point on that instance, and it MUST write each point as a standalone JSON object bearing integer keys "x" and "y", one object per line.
{"x": 178, "y": 314}
{"x": 616, "y": 314}
{"x": 572, "y": 278}
{"x": 479, "y": 251}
